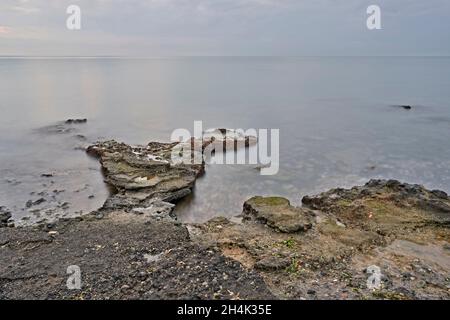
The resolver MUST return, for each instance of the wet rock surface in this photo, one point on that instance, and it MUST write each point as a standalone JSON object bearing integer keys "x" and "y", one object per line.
{"x": 134, "y": 248}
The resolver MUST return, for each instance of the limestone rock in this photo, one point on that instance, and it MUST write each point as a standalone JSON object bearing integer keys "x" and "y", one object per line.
{"x": 142, "y": 174}
{"x": 278, "y": 214}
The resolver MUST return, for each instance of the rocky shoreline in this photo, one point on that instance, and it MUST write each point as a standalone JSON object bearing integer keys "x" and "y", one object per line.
{"x": 134, "y": 248}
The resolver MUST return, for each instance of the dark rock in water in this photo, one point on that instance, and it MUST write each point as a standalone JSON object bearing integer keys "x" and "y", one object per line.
{"x": 277, "y": 213}
{"x": 76, "y": 121}
{"x": 405, "y": 107}
{"x": 39, "y": 201}
{"x": 81, "y": 137}
{"x": 64, "y": 127}
{"x": 60, "y": 128}
{"x": 5, "y": 215}
{"x": 13, "y": 181}
{"x": 47, "y": 175}
{"x": 31, "y": 203}
{"x": 65, "y": 205}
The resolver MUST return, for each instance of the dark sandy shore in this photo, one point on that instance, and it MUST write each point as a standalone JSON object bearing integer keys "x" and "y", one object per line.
{"x": 133, "y": 247}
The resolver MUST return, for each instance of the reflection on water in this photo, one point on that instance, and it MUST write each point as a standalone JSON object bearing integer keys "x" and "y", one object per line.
{"x": 336, "y": 123}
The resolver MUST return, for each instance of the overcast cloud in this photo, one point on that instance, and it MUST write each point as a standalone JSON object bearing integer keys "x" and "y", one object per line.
{"x": 224, "y": 27}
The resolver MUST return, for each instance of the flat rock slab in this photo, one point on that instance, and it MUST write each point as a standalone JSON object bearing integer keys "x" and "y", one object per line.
{"x": 278, "y": 214}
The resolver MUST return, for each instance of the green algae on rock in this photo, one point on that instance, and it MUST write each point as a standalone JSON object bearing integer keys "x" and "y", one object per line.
{"x": 278, "y": 213}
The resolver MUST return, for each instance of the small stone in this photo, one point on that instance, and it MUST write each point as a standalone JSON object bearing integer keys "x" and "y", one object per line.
{"x": 65, "y": 205}
{"x": 39, "y": 201}
{"x": 50, "y": 225}
{"x": 340, "y": 224}
{"x": 31, "y": 203}
{"x": 142, "y": 275}
{"x": 5, "y": 215}
{"x": 272, "y": 263}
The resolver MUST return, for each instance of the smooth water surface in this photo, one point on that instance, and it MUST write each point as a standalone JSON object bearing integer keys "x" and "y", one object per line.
{"x": 337, "y": 123}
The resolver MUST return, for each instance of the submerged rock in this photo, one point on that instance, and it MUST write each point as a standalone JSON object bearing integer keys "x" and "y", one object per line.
{"x": 63, "y": 127}
{"x": 47, "y": 175}
{"x": 31, "y": 203}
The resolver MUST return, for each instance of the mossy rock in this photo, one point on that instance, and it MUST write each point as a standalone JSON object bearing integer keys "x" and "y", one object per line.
{"x": 268, "y": 201}
{"x": 277, "y": 213}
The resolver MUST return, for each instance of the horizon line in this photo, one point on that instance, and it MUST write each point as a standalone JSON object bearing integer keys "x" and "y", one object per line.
{"x": 214, "y": 56}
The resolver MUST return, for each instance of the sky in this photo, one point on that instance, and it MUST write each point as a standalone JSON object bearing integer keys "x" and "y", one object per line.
{"x": 146, "y": 28}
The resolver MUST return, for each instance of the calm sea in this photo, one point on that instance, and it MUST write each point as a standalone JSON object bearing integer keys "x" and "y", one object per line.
{"x": 338, "y": 126}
